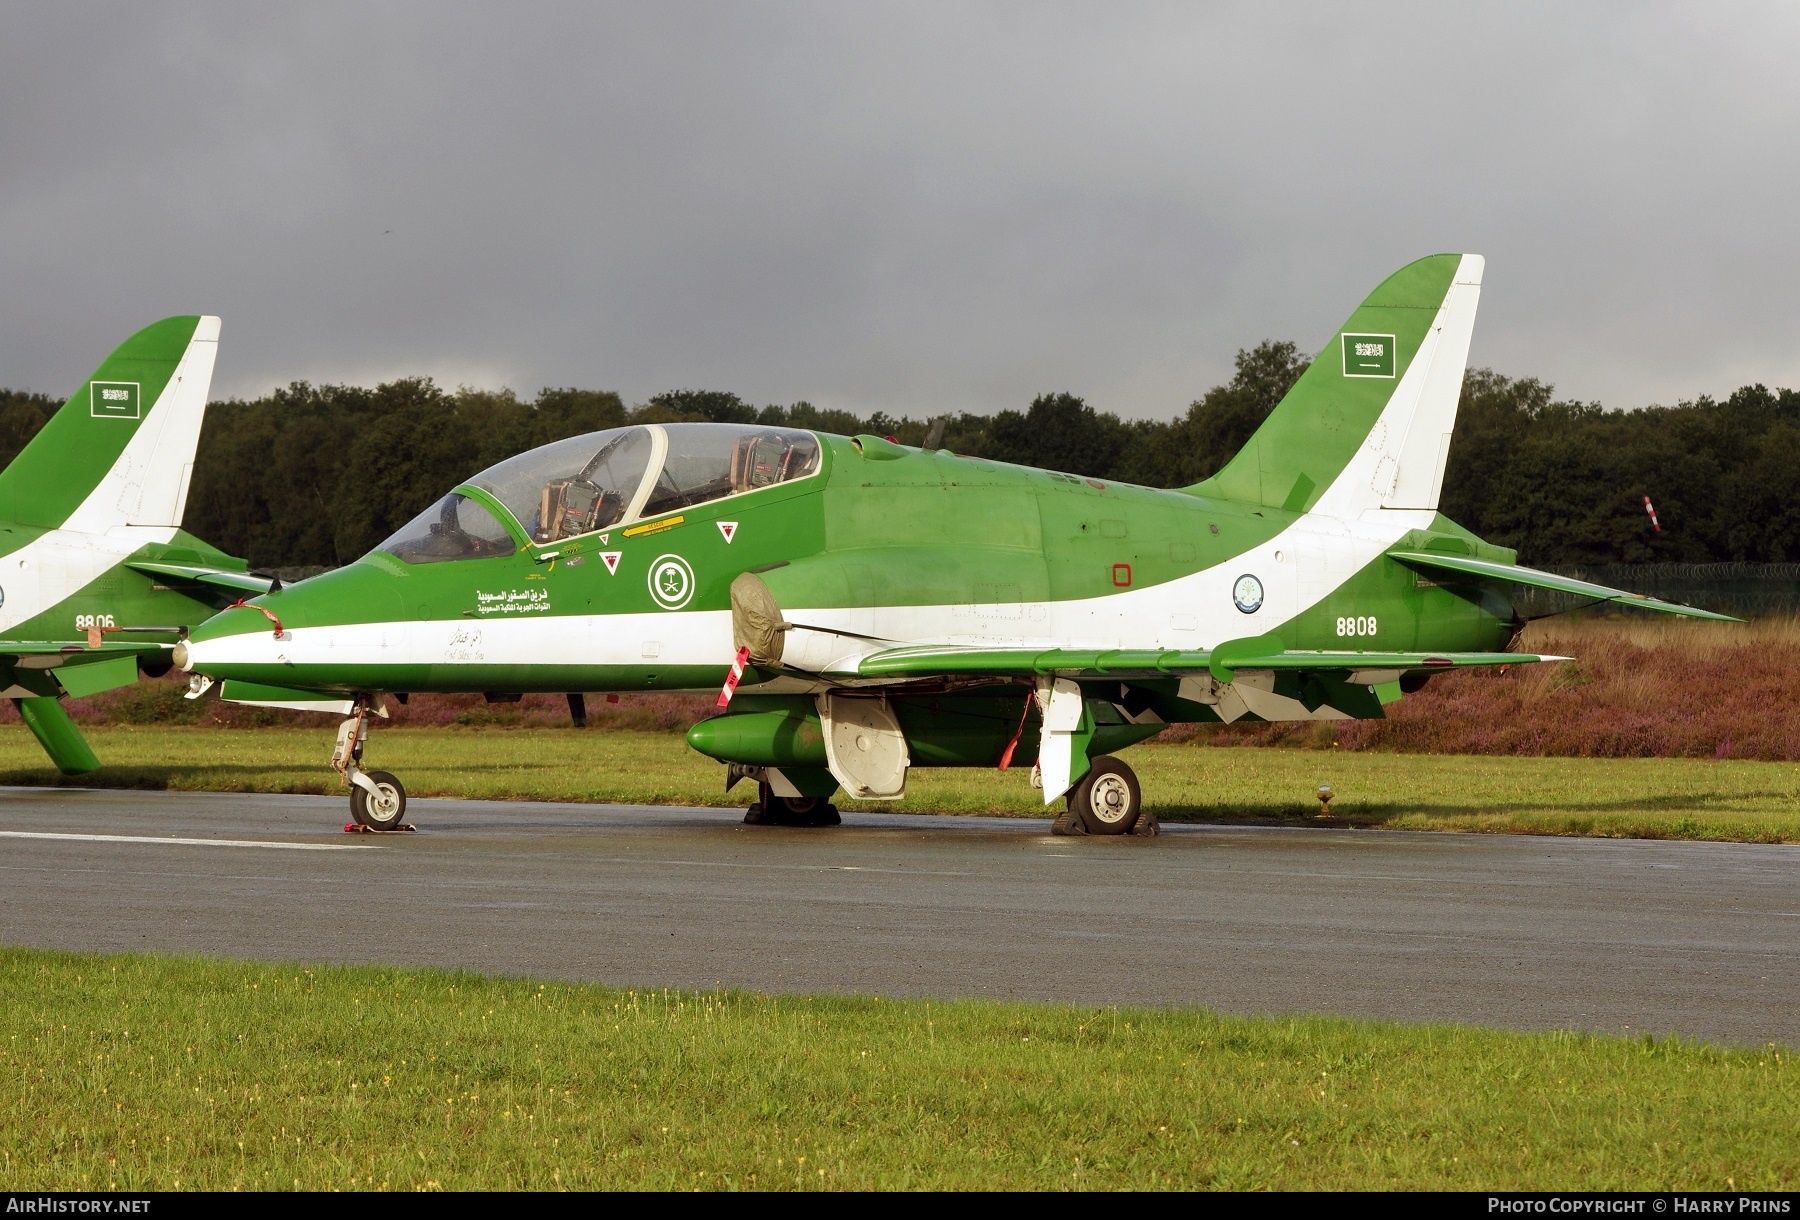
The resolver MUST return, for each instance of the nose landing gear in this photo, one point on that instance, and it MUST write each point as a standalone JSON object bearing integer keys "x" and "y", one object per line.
{"x": 377, "y": 800}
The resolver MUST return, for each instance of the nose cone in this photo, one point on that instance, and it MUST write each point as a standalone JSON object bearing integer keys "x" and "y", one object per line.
{"x": 234, "y": 641}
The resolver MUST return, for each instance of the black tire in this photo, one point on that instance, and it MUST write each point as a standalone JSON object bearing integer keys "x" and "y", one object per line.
{"x": 383, "y": 814}
{"x": 810, "y": 811}
{"x": 1108, "y": 799}
{"x": 772, "y": 810}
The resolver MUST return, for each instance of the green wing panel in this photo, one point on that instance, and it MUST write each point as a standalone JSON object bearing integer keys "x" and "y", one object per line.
{"x": 92, "y": 677}
{"x": 1487, "y": 570}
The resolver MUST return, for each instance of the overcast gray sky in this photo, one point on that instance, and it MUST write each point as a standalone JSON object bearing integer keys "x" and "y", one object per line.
{"x": 915, "y": 207}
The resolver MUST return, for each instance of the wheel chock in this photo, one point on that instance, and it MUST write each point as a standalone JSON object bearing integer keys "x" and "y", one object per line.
{"x": 357, "y": 828}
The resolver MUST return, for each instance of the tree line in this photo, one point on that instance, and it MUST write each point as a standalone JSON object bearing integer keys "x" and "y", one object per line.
{"x": 317, "y": 475}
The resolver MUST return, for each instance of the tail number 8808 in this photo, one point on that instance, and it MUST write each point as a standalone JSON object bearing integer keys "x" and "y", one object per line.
{"x": 1357, "y": 626}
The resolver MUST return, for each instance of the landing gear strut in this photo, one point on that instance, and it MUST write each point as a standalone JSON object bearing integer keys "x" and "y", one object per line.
{"x": 377, "y": 800}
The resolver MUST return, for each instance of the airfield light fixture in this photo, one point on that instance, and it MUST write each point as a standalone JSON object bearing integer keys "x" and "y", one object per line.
{"x": 1325, "y": 794}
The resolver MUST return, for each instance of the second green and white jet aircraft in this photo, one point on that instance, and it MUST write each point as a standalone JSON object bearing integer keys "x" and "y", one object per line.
{"x": 97, "y": 579}
{"x": 891, "y": 607}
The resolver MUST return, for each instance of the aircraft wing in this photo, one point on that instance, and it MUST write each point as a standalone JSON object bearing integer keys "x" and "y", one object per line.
{"x": 223, "y": 578}
{"x": 79, "y": 669}
{"x": 1432, "y": 562}
{"x": 41, "y": 648}
{"x": 949, "y": 660}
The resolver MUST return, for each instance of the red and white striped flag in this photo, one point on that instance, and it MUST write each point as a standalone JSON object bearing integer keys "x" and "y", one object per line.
{"x": 733, "y": 678}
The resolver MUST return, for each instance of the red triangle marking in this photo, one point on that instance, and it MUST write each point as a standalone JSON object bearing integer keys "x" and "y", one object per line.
{"x": 611, "y": 560}
{"x": 727, "y": 528}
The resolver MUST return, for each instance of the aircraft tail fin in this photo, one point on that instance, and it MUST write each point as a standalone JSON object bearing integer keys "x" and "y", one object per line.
{"x": 120, "y": 451}
{"x": 1368, "y": 425}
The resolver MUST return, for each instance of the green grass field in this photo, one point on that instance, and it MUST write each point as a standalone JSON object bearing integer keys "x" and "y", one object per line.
{"x": 161, "y": 1073}
{"x": 1629, "y": 797}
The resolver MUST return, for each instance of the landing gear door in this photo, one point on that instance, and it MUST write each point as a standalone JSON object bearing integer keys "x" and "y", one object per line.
{"x": 864, "y": 746}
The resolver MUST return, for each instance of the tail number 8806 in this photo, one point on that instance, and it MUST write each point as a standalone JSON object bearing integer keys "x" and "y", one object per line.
{"x": 1357, "y": 626}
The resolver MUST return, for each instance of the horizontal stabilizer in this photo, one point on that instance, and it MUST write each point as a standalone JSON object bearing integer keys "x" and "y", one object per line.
{"x": 931, "y": 661}
{"x": 1479, "y": 570}
{"x": 223, "y": 578}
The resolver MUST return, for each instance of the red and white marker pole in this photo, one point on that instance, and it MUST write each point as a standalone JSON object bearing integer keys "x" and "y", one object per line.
{"x": 1651, "y": 510}
{"x": 733, "y": 678}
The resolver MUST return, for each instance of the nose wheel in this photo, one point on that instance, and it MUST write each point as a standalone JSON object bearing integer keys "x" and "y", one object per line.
{"x": 379, "y": 806}
{"x": 377, "y": 798}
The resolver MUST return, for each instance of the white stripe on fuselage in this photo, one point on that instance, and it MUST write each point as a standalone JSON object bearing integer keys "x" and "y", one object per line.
{"x": 1194, "y": 611}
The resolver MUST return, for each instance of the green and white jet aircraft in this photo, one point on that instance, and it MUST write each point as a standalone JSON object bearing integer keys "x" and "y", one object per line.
{"x": 892, "y": 607}
{"x": 97, "y": 580}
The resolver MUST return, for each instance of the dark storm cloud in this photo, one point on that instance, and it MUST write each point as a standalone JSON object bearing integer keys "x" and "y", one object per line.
{"x": 909, "y": 206}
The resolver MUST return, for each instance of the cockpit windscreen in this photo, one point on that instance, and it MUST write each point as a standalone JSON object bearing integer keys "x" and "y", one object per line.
{"x": 602, "y": 479}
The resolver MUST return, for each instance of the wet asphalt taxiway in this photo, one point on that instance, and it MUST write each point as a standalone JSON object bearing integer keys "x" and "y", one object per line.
{"x": 1700, "y": 939}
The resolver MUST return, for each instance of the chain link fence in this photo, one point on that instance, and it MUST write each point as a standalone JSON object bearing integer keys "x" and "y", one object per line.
{"x": 1748, "y": 590}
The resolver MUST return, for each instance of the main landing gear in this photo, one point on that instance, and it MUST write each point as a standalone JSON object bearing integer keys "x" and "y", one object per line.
{"x": 377, "y": 801}
{"x": 772, "y": 810}
{"x": 1107, "y": 801}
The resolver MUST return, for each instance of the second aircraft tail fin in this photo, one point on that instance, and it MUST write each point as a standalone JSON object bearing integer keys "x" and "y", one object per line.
{"x": 120, "y": 451}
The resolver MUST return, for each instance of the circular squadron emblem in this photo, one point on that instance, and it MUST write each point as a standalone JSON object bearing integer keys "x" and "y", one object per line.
{"x": 671, "y": 582}
{"x": 1248, "y": 594}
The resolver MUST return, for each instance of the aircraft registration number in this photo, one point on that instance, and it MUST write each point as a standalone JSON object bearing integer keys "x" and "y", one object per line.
{"x": 84, "y": 621}
{"x": 1359, "y": 625}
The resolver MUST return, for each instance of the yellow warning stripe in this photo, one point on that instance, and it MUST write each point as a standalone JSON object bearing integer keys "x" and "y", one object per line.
{"x": 655, "y": 527}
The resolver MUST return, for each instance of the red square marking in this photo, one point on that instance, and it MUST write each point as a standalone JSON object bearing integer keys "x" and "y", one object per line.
{"x": 1122, "y": 575}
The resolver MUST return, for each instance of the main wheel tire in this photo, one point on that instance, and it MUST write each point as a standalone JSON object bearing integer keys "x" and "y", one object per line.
{"x": 800, "y": 810}
{"x": 381, "y": 812}
{"x": 809, "y": 811}
{"x": 1107, "y": 800}
{"x": 772, "y": 810}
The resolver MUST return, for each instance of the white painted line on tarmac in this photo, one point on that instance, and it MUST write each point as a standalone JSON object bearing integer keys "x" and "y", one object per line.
{"x": 40, "y": 834}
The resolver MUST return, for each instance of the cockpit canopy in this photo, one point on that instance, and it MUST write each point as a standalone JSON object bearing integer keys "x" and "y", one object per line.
{"x": 603, "y": 479}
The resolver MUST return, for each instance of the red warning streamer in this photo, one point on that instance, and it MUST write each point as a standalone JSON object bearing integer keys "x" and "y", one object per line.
{"x": 262, "y": 610}
{"x": 733, "y": 678}
{"x": 1006, "y": 756}
{"x": 1651, "y": 510}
